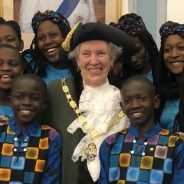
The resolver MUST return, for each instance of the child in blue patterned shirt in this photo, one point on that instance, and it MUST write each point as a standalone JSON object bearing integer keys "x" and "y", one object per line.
{"x": 29, "y": 152}
{"x": 143, "y": 153}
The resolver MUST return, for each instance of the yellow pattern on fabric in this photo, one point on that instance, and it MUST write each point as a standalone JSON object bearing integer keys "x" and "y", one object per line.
{"x": 39, "y": 167}
{"x": 5, "y": 174}
{"x": 7, "y": 149}
{"x": 172, "y": 141}
{"x": 124, "y": 159}
{"x": 146, "y": 162}
{"x": 44, "y": 143}
{"x": 32, "y": 153}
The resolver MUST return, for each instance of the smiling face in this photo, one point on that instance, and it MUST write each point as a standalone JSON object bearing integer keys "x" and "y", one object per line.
{"x": 9, "y": 36}
{"x": 10, "y": 66}
{"x": 94, "y": 61}
{"x": 49, "y": 40}
{"x": 27, "y": 100}
{"x": 139, "y": 103}
{"x": 174, "y": 54}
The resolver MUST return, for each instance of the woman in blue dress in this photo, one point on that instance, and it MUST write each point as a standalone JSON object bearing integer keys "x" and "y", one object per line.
{"x": 45, "y": 56}
{"x": 170, "y": 76}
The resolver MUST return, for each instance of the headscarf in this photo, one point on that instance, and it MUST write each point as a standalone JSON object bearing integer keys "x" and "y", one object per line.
{"x": 170, "y": 28}
{"x": 132, "y": 24}
{"x": 52, "y": 16}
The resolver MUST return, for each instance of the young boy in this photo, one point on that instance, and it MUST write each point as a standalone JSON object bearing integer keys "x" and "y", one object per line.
{"x": 29, "y": 152}
{"x": 143, "y": 153}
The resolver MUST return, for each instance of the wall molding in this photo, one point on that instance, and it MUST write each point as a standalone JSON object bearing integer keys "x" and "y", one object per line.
{"x": 1, "y": 8}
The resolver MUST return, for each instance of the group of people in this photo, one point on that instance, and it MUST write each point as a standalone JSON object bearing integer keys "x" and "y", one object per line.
{"x": 94, "y": 103}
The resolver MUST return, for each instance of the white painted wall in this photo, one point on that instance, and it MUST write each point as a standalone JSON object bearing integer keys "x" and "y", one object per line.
{"x": 175, "y": 11}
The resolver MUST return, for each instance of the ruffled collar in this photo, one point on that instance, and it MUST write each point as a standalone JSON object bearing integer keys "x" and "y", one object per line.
{"x": 100, "y": 107}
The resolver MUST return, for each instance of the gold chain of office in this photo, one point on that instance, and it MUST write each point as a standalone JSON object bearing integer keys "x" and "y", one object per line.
{"x": 94, "y": 133}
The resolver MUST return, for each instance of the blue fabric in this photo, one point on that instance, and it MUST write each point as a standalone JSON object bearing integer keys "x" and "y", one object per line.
{"x": 106, "y": 150}
{"x": 53, "y": 74}
{"x": 170, "y": 110}
{"x": 67, "y": 6}
{"x": 52, "y": 172}
{"x": 149, "y": 76}
{"x": 6, "y": 111}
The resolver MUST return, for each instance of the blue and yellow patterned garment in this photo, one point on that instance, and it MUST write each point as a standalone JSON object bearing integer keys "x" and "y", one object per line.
{"x": 6, "y": 111}
{"x": 30, "y": 157}
{"x": 159, "y": 159}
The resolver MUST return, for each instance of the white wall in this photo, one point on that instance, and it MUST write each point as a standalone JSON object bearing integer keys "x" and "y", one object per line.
{"x": 175, "y": 10}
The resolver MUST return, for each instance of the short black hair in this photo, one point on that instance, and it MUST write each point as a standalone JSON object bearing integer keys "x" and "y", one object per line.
{"x": 33, "y": 77}
{"x": 16, "y": 50}
{"x": 14, "y": 25}
{"x": 141, "y": 79}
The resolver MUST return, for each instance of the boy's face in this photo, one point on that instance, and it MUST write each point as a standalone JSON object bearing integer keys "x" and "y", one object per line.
{"x": 27, "y": 99}
{"x": 139, "y": 103}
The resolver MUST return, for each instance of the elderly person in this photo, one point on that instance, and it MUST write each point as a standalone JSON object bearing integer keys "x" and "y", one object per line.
{"x": 95, "y": 46}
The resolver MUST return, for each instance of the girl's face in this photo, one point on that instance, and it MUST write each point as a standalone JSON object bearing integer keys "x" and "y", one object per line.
{"x": 49, "y": 40}
{"x": 174, "y": 54}
{"x": 10, "y": 67}
{"x": 94, "y": 61}
{"x": 140, "y": 60}
{"x": 9, "y": 36}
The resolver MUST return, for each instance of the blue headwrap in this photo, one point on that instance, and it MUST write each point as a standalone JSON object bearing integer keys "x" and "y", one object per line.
{"x": 53, "y": 16}
{"x": 170, "y": 28}
{"x": 132, "y": 24}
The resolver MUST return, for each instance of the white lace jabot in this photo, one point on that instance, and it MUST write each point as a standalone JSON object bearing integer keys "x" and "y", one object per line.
{"x": 100, "y": 106}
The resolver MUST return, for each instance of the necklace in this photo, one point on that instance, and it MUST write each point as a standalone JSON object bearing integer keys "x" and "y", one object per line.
{"x": 90, "y": 151}
{"x": 94, "y": 133}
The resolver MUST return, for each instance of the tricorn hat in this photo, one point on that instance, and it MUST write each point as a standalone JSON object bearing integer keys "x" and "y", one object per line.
{"x": 98, "y": 31}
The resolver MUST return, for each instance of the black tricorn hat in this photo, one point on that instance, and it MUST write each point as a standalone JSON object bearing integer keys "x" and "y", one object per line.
{"x": 100, "y": 31}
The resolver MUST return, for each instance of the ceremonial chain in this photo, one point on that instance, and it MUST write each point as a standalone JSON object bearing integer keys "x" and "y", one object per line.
{"x": 94, "y": 133}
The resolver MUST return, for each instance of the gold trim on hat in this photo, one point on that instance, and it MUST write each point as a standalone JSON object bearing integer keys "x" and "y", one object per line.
{"x": 67, "y": 41}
